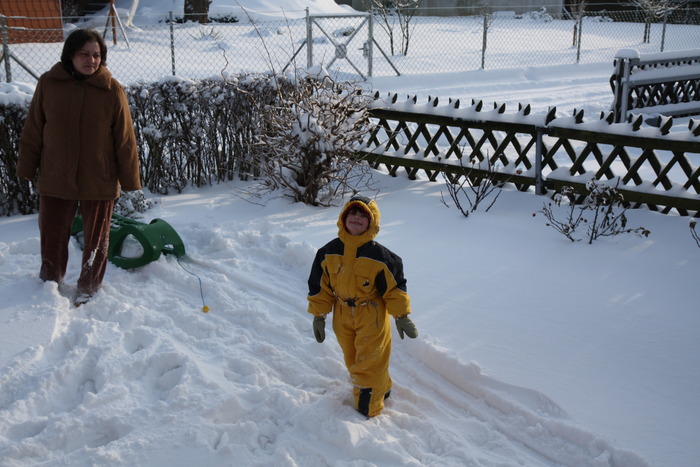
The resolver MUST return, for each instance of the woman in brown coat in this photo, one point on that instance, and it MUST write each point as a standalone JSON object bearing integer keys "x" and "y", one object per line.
{"x": 79, "y": 139}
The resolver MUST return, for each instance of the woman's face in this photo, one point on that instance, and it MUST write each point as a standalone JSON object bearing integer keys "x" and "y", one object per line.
{"x": 357, "y": 221}
{"x": 87, "y": 59}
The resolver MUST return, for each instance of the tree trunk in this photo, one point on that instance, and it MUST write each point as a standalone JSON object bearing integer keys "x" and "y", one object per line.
{"x": 197, "y": 10}
{"x": 132, "y": 11}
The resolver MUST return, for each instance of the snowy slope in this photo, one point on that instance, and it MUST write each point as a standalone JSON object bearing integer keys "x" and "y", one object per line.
{"x": 532, "y": 350}
{"x": 140, "y": 375}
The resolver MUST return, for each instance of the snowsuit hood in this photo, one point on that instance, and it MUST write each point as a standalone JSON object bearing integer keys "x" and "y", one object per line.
{"x": 370, "y": 207}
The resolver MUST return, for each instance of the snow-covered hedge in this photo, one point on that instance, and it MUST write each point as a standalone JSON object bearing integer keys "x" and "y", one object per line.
{"x": 16, "y": 196}
{"x": 295, "y": 132}
{"x": 196, "y": 132}
{"x": 309, "y": 138}
{"x": 200, "y": 132}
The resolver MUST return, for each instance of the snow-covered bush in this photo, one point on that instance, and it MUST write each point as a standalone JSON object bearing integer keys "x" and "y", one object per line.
{"x": 199, "y": 132}
{"x": 132, "y": 204}
{"x": 540, "y": 15}
{"x": 599, "y": 19}
{"x": 16, "y": 196}
{"x": 308, "y": 138}
{"x": 297, "y": 134}
{"x": 602, "y": 211}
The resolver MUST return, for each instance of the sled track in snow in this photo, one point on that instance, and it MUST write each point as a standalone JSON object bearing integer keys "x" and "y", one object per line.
{"x": 117, "y": 372}
{"x": 521, "y": 415}
{"x": 531, "y": 425}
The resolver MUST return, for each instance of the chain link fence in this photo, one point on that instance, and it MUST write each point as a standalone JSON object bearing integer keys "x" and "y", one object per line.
{"x": 360, "y": 45}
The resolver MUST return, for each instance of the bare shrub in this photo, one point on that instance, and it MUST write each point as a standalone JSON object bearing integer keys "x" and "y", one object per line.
{"x": 392, "y": 13}
{"x": 693, "y": 232}
{"x": 472, "y": 186}
{"x": 602, "y": 212}
{"x": 573, "y": 217}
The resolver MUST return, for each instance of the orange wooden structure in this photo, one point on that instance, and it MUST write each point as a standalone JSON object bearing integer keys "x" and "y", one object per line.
{"x": 32, "y": 20}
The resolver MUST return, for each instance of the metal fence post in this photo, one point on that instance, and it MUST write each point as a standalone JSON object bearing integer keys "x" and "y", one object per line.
{"x": 578, "y": 39}
{"x": 483, "y": 42}
{"x": 663, "y": 30}
{"x": 309, "y": 41}
{"x": 370, "y": 41}
{"x": 6, "y": 49}
{"x": 625, "y": 89}
{"x": 172, "y": 42}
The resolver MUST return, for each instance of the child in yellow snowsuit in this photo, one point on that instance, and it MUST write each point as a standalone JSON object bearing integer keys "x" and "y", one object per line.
{"x": 362, "y": 282}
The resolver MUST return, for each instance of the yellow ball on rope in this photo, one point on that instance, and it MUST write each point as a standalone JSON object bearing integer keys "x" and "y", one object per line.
{"x": 205, "y": 309}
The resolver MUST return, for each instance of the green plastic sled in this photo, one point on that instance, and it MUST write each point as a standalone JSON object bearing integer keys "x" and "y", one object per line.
{"x": 155, "y": 238}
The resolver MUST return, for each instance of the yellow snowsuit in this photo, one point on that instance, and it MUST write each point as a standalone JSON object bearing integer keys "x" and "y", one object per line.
{"x": 362, "y": 282}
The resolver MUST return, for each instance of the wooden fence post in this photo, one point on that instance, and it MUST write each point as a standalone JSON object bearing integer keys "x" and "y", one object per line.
{"x": 539, "y": 148}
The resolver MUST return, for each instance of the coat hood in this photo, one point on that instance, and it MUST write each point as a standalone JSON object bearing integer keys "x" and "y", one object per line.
{"x": 370, "y": 207}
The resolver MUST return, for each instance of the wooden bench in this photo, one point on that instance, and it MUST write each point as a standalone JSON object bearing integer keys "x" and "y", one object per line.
{"x": 665, "y": 83}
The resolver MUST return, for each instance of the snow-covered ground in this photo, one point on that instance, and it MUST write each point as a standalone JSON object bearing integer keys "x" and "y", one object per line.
{"x": 532, "y": 350}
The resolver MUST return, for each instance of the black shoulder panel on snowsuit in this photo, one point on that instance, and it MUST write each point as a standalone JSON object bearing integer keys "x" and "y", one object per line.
{"x": 378, "y": 252}
{"x": 334, "y": 247}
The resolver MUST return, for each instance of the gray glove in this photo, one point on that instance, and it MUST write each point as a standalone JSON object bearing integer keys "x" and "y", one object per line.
{"x": 406, "y": 326}
{"x": 320, "y": 328}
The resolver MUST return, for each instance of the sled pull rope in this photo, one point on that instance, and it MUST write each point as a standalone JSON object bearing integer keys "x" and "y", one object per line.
{"x": 205, "y": 308}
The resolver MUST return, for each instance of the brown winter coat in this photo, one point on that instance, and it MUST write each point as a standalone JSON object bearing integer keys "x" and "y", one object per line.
{"x": 79, "y": 137}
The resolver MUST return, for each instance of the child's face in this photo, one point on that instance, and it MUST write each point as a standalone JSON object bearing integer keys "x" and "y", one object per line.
{"x": 357, "y": 221}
